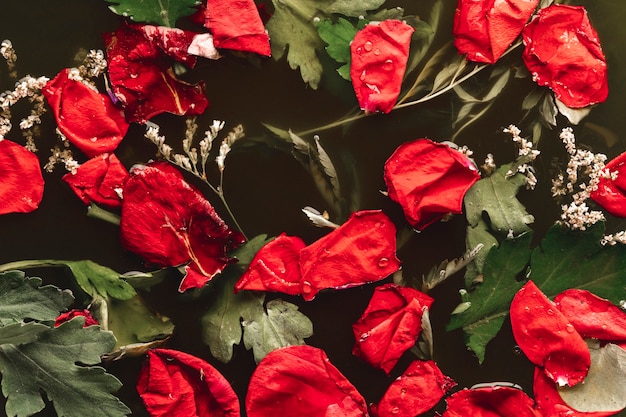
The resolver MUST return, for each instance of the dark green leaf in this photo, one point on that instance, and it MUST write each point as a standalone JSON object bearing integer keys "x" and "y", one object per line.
{"x": 160, "y": 12}
{"x": 338, "y": 37}
{"x": 19, "y": 333}
{"x": 478, "y": 235}
{"x": 93, "y": 277}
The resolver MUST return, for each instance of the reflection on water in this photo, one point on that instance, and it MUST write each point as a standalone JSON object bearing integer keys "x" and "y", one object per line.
{"x": 267, "y": 188}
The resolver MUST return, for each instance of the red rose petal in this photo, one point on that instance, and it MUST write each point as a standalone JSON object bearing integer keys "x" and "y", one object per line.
{"x": 275, "y": 267}
{"x": 301, "y": 381}
{"x": 547, "y": 338}
{"x": 98, "y": 180}
{"x": 429, "y": 180}
{"x": 88, "y": 119}
{"x": 611, "y": 193}
{"x": 21, "y": 181}
{"x": 563, "y": 52}
{"x": 176, "y": 384}
{"x": 483, "y": 30}
{"x": 69, "y": 315}
{"x": 361, "y": 250}
{"x": 415, "y": 392}
{"x": 379, "y": 54}
{"x": 592, "y": 316}
{"x": 236, "y": 25}
{"x": 390, "y": 325}
{"x": 169, "y": 223}
{"x": 491, "y": 402}
{"x": 172, "y": 41}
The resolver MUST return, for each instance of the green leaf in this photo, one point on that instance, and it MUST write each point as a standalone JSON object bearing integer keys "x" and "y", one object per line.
{"x": 496, "y": 196}
{"x": 60, "y": 363}
{"x": 475, "y": 236}
{"x": 160, "y": 12}
{"x": 338, "y": 37}
{"x": 354, "y": 8}
{"x": 19, "y": 333}
{"x": 23, "y": 297}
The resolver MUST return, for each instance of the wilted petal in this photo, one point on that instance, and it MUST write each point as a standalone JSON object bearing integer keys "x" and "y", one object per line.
{"x": 173, "y": 41}
{"x": 390, "y": 325}
{"x": 301, "y": 381}
{"x": 21, "y": 181}
{"x": 611, "y": 193}
{"x": 379, "y": 54}
{"x": 547, "y": 338}
{"x": 176, "y": 384}
{"x": 69, "y": 315}
{"x": 497, "y": 401}
{"x": 429, "y": 180}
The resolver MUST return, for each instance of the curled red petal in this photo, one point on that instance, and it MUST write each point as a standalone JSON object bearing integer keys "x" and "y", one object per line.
{"x": 88, "y": 119}
{"x": 275, "y": 267}
{"x": 177, "y": 384}
{"x": 379, "y": 54}
{"x": 301, "y": 381}
{"x": 429, "y": 180}
{"x": 547, "y": 338}
{"x": 361, "y": 250}
{"x": 483, "y": 30}
{"x": 237, "y": 25}
{"x": 592, "y": 316}
{"x": 611, "y": 191}
{"x": 99, "y": 180}
{"x": 563, "y": 52}
{"x": 416, "y": 391}
{"x": 21, "y": 181}
{"x": 497, "y": 401}
{"x": 173, "y": 42}
{"x": 69, "y": 315}
{"x": 389, "y": 325}
{"x": 168, "y": 222}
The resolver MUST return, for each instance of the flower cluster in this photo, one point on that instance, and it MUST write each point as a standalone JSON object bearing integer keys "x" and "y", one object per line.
{"x": 526, "y": 154}
{"x": 9, "y": 55}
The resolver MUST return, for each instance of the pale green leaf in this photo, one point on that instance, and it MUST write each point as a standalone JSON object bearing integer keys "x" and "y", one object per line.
{"x": 354, "y": 8}
{"x": 23, "y": 297}
{"x": 19, "y": 333}
{"x": 337, "y": 35}
{"x": 160, "y": 12}
{"x": 61, "y": 363}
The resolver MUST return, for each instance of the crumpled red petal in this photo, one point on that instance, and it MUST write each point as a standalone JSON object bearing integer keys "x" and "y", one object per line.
{"x": 379, "y": 54}
{"x": 611, "y": 193}
{"x": 429, "y": 180}
{"x": 275, "y": 267}
{"x": 142, "y": 79}
{"x": 172, "y": 41}
{"x": 416, "y": 391}
{"x": 361, "y": 250}
{"x": 168, "y": 222}
{"x": 563, "y": 52}
{"x": 389, "y": 325}
{"x": 99, "y": 180}
{"x": 498, "y": 401}
{"x": 301, "y": 381}
{"x": 483, "y": 30}
{"x": 592, "y": 316}
{"x": 547, "y": 338}
{"x": 88, "y": 119}
{"x": 177, "y": 384}
{"x": 237, "y": 25}
{"x": 21, "y": 181}
{"x": 69, "y": 315}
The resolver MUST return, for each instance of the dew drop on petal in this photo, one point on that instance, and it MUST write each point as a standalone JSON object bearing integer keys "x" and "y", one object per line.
{"x": 383, "y": 262}
{"x": 550, "y": 312}
{"x": 388, "y": 65}
{"x": 376, "y": 51}
{"x": 368, "y": 46}
{"x": 359, "y": 50}
{"x": 569, "y": 328}
{"x": 395, "y": 410}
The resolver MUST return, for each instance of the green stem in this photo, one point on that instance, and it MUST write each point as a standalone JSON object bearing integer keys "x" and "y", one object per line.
{"x": 30, "y": 263}
{"x": 98, "y": 212}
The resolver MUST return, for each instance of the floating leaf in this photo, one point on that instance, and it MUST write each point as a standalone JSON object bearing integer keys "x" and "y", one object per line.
{"x": 161, "y": 12}
{"x": 338, "y": 36}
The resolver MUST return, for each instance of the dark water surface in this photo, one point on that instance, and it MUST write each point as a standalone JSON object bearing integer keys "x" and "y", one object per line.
{"x": 267, "y": 188}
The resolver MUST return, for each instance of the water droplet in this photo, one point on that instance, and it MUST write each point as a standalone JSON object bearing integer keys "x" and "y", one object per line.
{"x": 383, "y": 262}
{"x": 604, "y": 327}
{"x": 395, "y": 410}
{"x": 403, "y": 391}
{"x": 326, "y": 250}
{"x": 125, "y": 14}
{"x": 569, "y": 328}
{"x": 550, "y": 312}
{"x": 368, "y": 46}
{"x": 527, "y": 308}
{"x": 388, "y": 65}
{"x": 306, "y": 287}
{"x": 362, "y": 77}
{"x": 359, "y": 50}
{"x": 364, "y": 337}
{"x": 376, "y": 51}
{"x": 517, "y": 350}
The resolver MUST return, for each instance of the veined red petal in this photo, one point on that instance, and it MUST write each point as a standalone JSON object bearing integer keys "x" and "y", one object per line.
{"x": 21, "y": 181}
{"x": 611, "y": 191}
{"x": 177, "y": 384}
{"x": 547, "y": 338}
{"x": 498, "y": 401}
{"x": 301, "y": 381}
{"x": 379, "y": 54}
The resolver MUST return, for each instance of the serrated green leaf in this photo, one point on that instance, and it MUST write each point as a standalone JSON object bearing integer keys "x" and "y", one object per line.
{"x": 160, "y": 12}
{"x": 60, "y": 363}
{"x": 475, "y": 236}
{"x": 23, "y": 297}
{"x": 496, "y": 196}
{"x": 337, "y": 36}
{"x": 19, "y": 333}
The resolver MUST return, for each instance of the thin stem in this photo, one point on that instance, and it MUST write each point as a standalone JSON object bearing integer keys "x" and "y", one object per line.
{"x": 29, "y": 264}
{"x": 98, "y": 212}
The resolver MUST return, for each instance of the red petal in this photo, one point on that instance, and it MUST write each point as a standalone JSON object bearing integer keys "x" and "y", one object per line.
{"x": 67, "y": 316}
{"x": 361, "y": 250}
{"x": 168, "y": 223}
{"x": 21, "y": 182}
{"x": 485, "y": 29}
{"x": 98, "y": 180}
{"x": 390, "y": 325}
{"x": 275, "y": 267}
{"x": 379, "y": 53}
{"x": 547, "y": 338}
{"x": 301, "y": 381}
{"x": 236, "y": 25}
{"x": 429, "y": 180}
{"x": 563, "y": 52}
{"x": 172, "y": 41}
{"x": 88, "y": 119}
{"x": 491, "y": 402}
{"x": 415, "y": 392}
{"x": 611, "y": 194}
{"x": 142, "y": 78}
{"x": 592, "y": 316}
{"x": 176, "y": 384}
